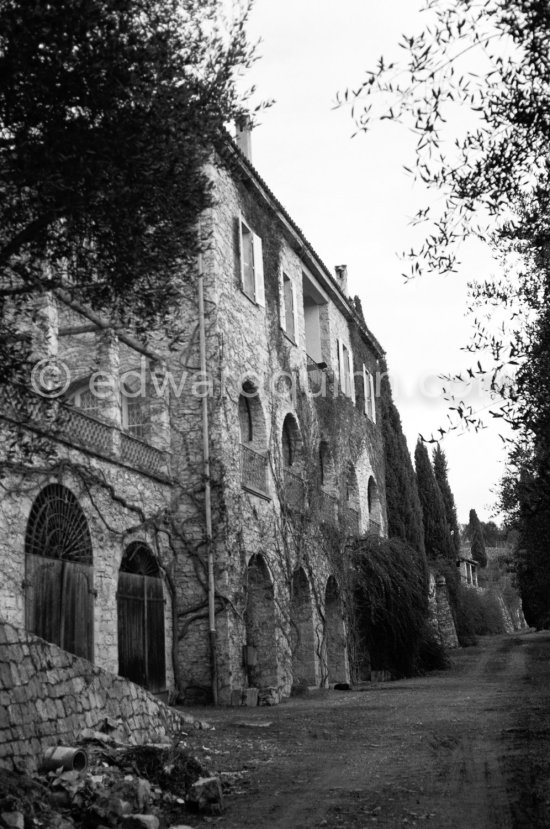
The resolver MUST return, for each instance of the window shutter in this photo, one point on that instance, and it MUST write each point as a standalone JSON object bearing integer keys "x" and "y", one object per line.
{"x": 295, "y": 313}
{"x": 341, "y": 373}
{"x": 366, "y": 390}
{"x": 351, "y": 376}
{"x": 372, "y": 398}
{"x": 282, "y": 299}
{"x": 258, "y": 269}
{"x": 241, "y": 256}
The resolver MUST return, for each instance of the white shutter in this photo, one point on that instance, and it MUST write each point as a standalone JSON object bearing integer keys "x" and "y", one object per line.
{"x": 372, "y": 398}
{"x": 295, "y": 312}
{"x": 282, "y": 310}
{"x": 258, "y": 269}
{"x": 341, "y": 374}
{"x": 366, "y": 389}
{"x": 240, "y": 243}
{"x": 351, "y": 376}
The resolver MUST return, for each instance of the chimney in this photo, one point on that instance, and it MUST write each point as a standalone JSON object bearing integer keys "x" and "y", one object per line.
{"x": 243, "y": 137}
{"x": 342, "y": 278}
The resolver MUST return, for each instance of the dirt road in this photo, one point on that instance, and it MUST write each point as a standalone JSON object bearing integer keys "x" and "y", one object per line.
{"x": 468, "y": 748}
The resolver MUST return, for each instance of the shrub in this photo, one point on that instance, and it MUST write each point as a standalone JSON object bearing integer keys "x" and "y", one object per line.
{"x": 390, "y": 608}
{"x": 477, "y": 614}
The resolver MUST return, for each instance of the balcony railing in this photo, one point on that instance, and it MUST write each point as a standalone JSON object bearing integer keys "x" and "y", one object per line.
{"x": 294, "y": 490}
{"x": 140, "y": 454}
{"x": 317, "y": 376}
{"x": 84, "y": 429}
{"x": 253, "y": 470}
{"x": 80, "y": 429}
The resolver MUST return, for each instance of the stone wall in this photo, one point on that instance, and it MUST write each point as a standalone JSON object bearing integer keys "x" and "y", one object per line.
{"x": 440, "y": 612}
{"x": 48, "y": 697}
{"x": 115, "y": 501}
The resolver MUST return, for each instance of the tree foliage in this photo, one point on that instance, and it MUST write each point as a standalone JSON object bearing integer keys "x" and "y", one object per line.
{"x": 442, "y": 478}
{"x": 391, "y": 607}
{"x": 473, "y": 86}
{"x": 109, "y": 110}
{"x": 402, "y": 501}
{"x": 477, "y": 542}
{"x": 437, "y": 537}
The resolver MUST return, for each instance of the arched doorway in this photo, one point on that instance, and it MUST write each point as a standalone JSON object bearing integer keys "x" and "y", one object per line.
{"x": 59, "y": 603}
{"x": 302, "y": 635}
{"x": 335, "y": 634}
{"x": 261, "y": 647}
{"x": 140, "y": 612}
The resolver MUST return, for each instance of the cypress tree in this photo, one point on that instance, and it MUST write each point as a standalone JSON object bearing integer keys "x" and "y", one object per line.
{"x": 437, "y": 538}
{"x": 477, "y": 542}
{"x": 441, "y": 476}
{"x": 403, "y": 504}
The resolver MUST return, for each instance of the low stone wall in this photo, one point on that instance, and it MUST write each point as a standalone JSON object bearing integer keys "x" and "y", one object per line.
{"x": 48, "y": 697}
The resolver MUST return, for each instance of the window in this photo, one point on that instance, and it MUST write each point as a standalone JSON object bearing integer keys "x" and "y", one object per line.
{"x": 134, "y": 412}
{"x": 251, "y": 264}
{"x": 368, "y": 388}
{"x": 289, "y": 323}
{"x": 254, "y": 461}
{"x": 315, "y": 309}
{"x": 345, "y": 369}
{"x": 288, "y": 454}
{"x": 87, "y": 401}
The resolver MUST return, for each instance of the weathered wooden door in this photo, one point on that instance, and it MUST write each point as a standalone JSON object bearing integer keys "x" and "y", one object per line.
{"x": 59, "y": 598}
{"x": 140, "y": 603}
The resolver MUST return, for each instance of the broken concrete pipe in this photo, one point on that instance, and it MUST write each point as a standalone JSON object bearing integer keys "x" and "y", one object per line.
{"x": 65, "y": 757}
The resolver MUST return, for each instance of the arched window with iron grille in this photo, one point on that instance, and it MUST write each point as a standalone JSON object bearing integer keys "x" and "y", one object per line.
{"x": 59, "y": 600}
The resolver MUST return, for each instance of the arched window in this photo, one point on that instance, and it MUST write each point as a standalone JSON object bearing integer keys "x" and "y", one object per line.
{"x": 288, "y": 450}
{"x": 291, "y": 442}
{"x": 140, "y": 612}
{"x": 59, "y": 572}
{"x": 253, "y": 441}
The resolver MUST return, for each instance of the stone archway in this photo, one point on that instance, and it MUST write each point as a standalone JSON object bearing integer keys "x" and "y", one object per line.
{"x": 302, "y": 634}
{"x": 335, "y": 634}
{"x": 261, "y": 643}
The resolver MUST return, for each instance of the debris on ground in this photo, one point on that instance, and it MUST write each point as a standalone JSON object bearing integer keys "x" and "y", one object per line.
{"x": 132, "y": 787}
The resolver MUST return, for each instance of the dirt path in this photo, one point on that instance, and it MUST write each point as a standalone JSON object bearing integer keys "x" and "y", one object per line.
{"x": 467, "y": 748}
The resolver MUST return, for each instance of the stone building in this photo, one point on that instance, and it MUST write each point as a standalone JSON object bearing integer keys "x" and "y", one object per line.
{"x": 118, "y": 544}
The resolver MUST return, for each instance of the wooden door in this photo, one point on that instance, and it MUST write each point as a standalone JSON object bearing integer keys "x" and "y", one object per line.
{"x": 141, "y": 641}
{"x": 59, "y": 603}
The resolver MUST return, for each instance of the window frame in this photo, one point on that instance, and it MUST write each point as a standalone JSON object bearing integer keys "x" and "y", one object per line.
{"x": 257, "y": 265}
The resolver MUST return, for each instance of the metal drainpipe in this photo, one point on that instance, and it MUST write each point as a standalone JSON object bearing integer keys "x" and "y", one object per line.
{"x": 208, "y": 494}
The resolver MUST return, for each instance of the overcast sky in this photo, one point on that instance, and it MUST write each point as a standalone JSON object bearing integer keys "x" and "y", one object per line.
{"x": 353, "y": 201}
